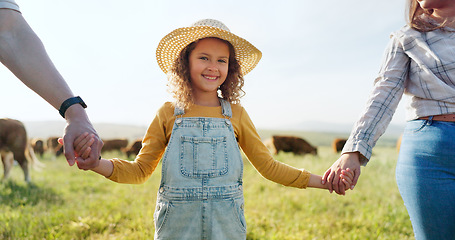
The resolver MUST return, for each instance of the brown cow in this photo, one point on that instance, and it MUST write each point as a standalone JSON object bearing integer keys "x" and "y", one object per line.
{"x": 338, "y": 144}
{"x": 54, "y": 146}
{"x": 133, "y": 148}
{"x": 114, "y": 144}
{"x": 289, "y": 144}
{"x": 15, "y": 145}
{"x": 38, "y": 146}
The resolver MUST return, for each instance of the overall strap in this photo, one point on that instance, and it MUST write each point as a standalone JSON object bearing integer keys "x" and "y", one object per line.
{"x": 178, "y": 111}
{"x": 226, "y": 107}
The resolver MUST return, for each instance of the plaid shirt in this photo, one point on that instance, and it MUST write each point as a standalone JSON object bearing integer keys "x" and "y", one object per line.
{"x": 422, "y": 66}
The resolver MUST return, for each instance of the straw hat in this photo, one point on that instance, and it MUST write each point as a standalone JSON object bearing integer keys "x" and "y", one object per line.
{"x": 173, "y": 43}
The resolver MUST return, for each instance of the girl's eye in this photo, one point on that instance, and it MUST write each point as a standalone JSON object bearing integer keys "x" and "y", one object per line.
{"x": 222, "y": 61}
{"x": 203, "y": 58}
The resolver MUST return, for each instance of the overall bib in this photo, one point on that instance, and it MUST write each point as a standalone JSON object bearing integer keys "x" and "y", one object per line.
{"x": 201, "y": 195}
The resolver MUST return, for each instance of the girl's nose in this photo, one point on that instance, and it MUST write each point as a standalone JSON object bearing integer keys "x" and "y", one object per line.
{"x": 212, "y": 67}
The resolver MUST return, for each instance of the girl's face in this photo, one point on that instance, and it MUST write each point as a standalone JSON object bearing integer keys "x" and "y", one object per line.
{"x": 441, "y": 9}
{"x": 209, "y": 63}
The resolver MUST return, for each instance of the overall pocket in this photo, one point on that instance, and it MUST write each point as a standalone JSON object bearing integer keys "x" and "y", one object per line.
{"x": 161, "y": 214}
{"x": 177, "y": 219}
{"x": 239, "y": 210}
{"x": 229, "y": 218}
{"x": 203, "y": 156}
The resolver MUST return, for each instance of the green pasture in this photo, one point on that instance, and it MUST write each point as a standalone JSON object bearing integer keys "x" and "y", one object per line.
{"x": 66, "y": 203}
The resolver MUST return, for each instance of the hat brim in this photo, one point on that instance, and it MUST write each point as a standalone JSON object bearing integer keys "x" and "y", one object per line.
{"x": 173, "y": 43}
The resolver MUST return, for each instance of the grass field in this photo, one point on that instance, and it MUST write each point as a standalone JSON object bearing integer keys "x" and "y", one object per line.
{"x": 66, "y": 203}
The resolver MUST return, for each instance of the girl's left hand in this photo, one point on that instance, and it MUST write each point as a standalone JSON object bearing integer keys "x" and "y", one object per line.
{"x": 347, "y": 177}
{"x": 82, "y": 145}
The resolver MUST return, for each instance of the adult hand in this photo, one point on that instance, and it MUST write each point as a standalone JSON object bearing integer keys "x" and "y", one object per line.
{"x": 332, "y": 175}
{"x": 77, "y": 124}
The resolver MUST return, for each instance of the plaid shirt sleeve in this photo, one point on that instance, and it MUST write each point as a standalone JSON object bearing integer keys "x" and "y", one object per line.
{"x": 382, "y": 102}
{"x": 422, "y": 66}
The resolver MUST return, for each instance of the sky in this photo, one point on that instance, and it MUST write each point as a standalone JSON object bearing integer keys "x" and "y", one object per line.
{"x": 319, "y": 61}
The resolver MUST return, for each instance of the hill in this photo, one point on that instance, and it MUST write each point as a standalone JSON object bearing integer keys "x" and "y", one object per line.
{"x": 318, "y": 134}
{"x": 45, "y": 129}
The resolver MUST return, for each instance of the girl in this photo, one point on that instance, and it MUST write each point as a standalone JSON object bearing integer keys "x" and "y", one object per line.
{"x": 198, "y": 137}
{"x": 419, "y": 62}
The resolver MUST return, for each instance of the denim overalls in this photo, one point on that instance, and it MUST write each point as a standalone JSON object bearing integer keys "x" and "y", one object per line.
{"x": 200, "y": 195}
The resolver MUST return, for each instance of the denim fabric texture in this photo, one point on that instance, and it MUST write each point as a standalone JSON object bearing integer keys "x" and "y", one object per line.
{"x": 426, "y": 177}
{"x": 201, "y": 195}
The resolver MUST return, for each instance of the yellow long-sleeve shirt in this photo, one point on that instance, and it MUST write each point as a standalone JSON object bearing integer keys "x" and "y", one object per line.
{"x": 159, "y": 133}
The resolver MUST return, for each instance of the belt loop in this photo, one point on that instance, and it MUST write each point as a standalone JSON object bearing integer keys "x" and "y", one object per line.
{"x": 430, "y": 120}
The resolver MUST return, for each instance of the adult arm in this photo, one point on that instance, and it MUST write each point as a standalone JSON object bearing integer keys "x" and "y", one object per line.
{"x": 23, "y": 53}
{"x": 381, "y": 105}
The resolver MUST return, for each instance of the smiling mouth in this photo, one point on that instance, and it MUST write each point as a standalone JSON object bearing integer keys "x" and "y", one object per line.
{"x": 210, "y": 77}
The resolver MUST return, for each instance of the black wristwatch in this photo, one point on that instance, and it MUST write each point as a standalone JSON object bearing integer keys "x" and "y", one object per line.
{"x": 69, "y": 102}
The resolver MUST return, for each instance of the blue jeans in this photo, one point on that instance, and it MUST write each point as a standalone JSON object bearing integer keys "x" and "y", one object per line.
{"x": 426, "y": 177}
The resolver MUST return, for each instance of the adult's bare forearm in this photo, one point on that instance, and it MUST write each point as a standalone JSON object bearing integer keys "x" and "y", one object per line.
{"x": 23, "y": 53}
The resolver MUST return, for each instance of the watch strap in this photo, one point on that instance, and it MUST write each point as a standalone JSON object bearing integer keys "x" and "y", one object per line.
{"x": 69, "y": 102}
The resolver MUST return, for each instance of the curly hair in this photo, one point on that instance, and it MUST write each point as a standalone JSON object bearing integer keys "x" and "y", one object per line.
{"x": 180, "y": 80}
{"x": 420, "y": 19}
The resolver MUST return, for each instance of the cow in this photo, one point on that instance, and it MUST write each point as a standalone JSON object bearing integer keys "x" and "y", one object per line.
{"x": 38, "y": 146}
{"x": 15, "y": 145}
{"x": 114, "y": 144}
{"x": 338, "y": 144}
{"x": 54, "y": 147}
{"x": 292, "y": 144}
{"x": 133, "y": 148}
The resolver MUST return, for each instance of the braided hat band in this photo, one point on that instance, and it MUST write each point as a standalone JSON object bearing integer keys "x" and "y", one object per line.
{"x": 173, "y": 43}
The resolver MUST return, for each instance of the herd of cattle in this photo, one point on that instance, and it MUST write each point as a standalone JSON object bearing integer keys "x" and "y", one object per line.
{"x": 40, "y": 146}
{"x": 298, "y": 145}
{"x": 14, "y": 145}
